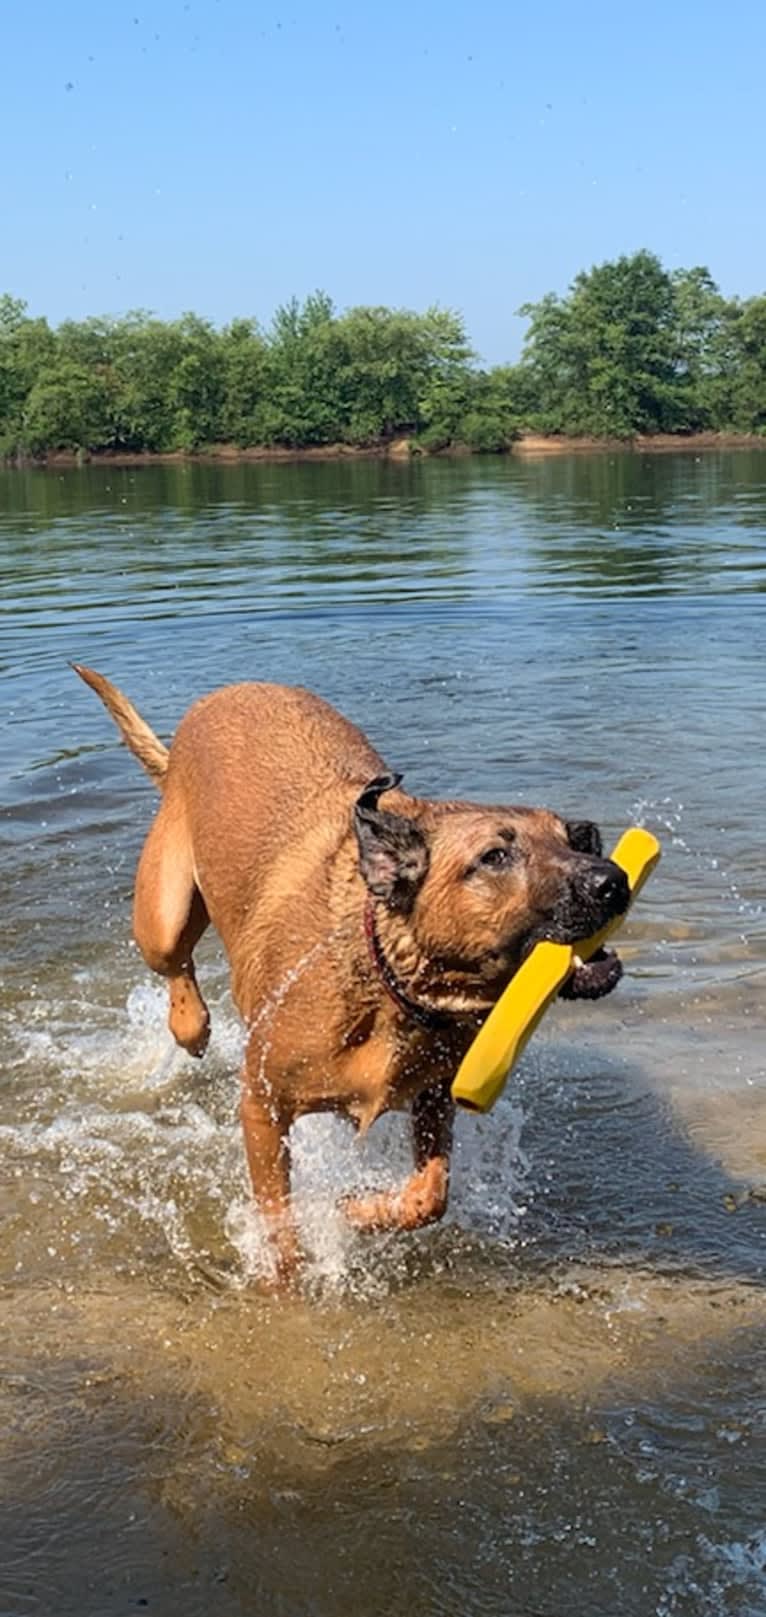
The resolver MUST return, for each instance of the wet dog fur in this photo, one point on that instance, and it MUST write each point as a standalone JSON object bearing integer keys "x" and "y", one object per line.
{"x": 368, "y": 931}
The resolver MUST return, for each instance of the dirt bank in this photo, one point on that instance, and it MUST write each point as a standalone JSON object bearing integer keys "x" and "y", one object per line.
{"x": 401, "y": 449}
{"x": 531, "y": 443}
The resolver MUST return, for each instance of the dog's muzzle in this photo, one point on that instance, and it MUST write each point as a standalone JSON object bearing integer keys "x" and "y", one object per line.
{"x": 597, "y": 892}
{"x": 604, "y": 893}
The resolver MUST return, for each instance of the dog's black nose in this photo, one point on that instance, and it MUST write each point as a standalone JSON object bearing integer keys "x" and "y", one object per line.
{"x": 609, "y": 886}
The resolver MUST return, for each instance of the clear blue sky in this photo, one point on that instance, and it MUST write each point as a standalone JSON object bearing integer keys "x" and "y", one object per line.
{"x": 218, "y": 156}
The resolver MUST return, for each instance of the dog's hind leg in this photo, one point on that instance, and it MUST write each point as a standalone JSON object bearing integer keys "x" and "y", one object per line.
{"x": 423, "y": 1199}
{"x": 169, "y": 918}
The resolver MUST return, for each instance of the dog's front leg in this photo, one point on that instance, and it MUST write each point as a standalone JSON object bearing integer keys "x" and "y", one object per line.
{"x": 268, "y": 1157}
{"x": 423, "y": 1199}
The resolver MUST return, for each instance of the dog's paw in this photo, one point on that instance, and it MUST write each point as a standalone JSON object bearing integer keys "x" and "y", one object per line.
{"x": 378, "y": 1211}
{"x": 190, "y": 1026}
{"x": 421, "y": 1201}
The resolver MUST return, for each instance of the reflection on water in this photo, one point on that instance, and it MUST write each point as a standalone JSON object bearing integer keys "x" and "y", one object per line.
{"x": 554, "y": 1402}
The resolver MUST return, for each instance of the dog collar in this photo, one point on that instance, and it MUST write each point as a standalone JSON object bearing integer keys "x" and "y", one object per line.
{"x": 423, "y": 1015}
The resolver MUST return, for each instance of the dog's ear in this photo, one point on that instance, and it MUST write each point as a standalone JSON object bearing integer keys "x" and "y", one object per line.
{"x": 584, "y": 837}
{"x": 393, "y": 855}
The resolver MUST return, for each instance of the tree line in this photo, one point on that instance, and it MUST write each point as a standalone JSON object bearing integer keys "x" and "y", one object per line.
{"x": 632, "y": 348}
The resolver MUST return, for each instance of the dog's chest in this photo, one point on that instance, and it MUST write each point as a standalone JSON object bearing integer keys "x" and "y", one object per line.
{"x": 386, "y": 1072}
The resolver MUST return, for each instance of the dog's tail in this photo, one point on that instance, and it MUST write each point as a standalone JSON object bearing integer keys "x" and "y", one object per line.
{"x": 146, "y": 746}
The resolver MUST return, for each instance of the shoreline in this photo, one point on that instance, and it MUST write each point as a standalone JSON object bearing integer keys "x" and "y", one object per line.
{"x": 399, "y": 449}
{"x": 533, "y": 443}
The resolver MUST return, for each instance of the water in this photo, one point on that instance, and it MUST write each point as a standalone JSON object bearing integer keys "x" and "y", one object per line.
{"x": 554, "y": 1402}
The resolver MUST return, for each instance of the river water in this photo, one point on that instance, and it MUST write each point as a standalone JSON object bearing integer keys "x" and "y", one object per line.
{"x": 553, "y": 1403}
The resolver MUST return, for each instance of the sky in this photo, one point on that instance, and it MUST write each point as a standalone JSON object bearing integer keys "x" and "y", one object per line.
{"x": 221, "y": 156}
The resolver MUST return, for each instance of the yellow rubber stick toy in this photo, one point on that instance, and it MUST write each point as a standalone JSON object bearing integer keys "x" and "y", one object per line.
{"x": 485, "y": 1068}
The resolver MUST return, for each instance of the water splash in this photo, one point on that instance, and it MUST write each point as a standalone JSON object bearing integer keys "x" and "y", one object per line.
{"x": 133, "y": 1149}
{"x": 669, "y": 815}
{"x": 706, "y": 1583}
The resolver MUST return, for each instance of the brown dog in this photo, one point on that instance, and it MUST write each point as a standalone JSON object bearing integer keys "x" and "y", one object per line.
{"x": 366, "y": 944}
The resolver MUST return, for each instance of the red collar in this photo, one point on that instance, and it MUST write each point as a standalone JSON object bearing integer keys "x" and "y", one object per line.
{"x": 424, "y": 1015}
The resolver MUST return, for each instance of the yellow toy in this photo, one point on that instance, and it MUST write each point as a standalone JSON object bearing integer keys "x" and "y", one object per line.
{"x": 485, "y": 1068}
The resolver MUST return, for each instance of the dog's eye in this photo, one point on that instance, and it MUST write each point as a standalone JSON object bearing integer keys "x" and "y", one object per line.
{"x": 496, "y": 858}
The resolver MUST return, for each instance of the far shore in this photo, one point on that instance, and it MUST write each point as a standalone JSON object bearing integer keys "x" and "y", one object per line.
{"x": 538, "y": 444}
{"x": 398, "y": 449}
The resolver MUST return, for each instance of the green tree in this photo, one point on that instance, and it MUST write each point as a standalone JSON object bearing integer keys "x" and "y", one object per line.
{"x": 603, "y": 359}
{"x": 380, "y": 374}
{"x": 245, "y": 378}
{"x": 748, "y": 388}
{"x": 631, "y": 348}
{"x": 66, "y": 408}
{"x": 303, "y": 404}
{"x": 195, "y": 385}
{"x": 705, "y": 357}
{"x": 402, "y": 372}
{"x": 447, "y": 361}
{"x": 27, "y": 349}
{"x": 498, "y": 408}
{"x": 145, "y": 355}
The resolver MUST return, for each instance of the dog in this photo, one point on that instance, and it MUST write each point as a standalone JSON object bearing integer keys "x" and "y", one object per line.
{"x": 368, "y": 932}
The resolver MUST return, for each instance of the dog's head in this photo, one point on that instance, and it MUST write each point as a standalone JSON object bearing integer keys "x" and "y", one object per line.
{"x": 480, "y": 886}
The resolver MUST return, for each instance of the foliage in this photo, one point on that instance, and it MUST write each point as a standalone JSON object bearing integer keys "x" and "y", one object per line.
{"x": 603, "y": 358}
{"x": 485, "y": 434}
{"x": 433, "y": 438}
{"x": 631, "y": 348}
{"x": 634, "y": 349}
{"x": 747, "y": 399}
